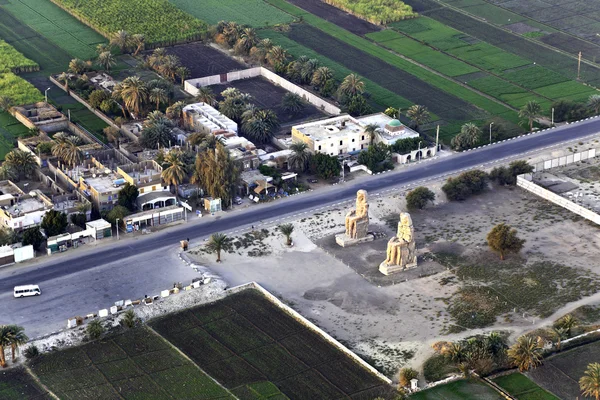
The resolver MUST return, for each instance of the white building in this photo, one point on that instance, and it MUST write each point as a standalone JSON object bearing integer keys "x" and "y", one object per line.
{"x": 202, "y": 117}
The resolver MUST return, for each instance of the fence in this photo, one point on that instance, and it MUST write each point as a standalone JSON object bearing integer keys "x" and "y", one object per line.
{"x": 564, "y": 160}
{"x": 191, "y": 85}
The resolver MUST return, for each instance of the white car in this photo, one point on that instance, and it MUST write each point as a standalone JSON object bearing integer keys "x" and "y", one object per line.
{"x": 27, "y": 290}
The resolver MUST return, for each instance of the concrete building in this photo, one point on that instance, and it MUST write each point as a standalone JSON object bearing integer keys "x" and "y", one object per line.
{"x": 345, "y": 134}
{"x": 153, "y": 200}
{"x": 20, "y": 210}
{"x": 201, "y": 117}
{"x": 145, "y": 175}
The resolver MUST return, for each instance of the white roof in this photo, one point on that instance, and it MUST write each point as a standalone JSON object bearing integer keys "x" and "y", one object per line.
{"x": 98, "y": 224}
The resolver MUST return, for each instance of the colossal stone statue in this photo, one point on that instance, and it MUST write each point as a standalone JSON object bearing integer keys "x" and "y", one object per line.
{"x": 357, "y": 223}
{"x": 401, "y": 249}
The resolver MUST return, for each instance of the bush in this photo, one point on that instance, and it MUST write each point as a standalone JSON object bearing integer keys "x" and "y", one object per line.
{"x": 325, "y": 166}
{"x": 565, "y": 110}
{"x": 466, "y": 184}
{"x": 437, "y": 368}
{"x": 54, "y": 223}
{"x": 508, "y": 176}
{"x": 31, "y": 352}
{"x": 129, "y": 319}
{"x": 97, "y": 97}
{"x": 377, "y": 157}
{"x": 419, "y": 197}
{"x": 95, "y": 329}
{"x": 33, "y": 236}
{"x": 404, "y": 146}
{"x": 44, "y": 147}
{"x": 406, "y": 374}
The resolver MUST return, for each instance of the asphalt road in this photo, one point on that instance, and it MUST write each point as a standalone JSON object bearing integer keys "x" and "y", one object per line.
{"x": 144, "y": 257}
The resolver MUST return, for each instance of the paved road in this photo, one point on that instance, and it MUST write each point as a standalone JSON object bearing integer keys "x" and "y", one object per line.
{"x": 111, "y": 268}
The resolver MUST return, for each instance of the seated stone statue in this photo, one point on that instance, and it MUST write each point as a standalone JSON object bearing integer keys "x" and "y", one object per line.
{"x": 401, "y": 250}
{"x": 357, "y": 220}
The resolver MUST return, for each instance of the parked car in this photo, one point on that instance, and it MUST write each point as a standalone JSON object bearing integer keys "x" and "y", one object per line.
{"x": 237, "y": 200}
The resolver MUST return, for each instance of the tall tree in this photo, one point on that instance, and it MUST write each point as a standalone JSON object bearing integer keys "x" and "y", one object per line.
{"x": 157, "y": 131}
{"x": 371, "y": 130}
{"x": 22, "y": 162}
{"x": 300, "y": 157}
{"x": 175, "y": 111}
{"x": 127, "y": 196}
{"x": 206, "y": 95}
{"x": 292, "y": 103}
{"x": 468, "y": 137}
{"x": 351, "y": 86}
{"x": 122, "y": 39}
{"x": 247, "y": 40}
{"x": 78, "y": 66}
{"x": 526, "y": 353}
{"x": 503, "y": 239}
{"x": 277, "y": 56}
{"x": 418, "y": 115}
{"x": 321, "y": 76}
{"x": 67, "y": 150}
{"x": 530, "y": 111}
{"x": 17, "y": 338}
{"x": 217, "y": 243}
{"x": 64, "y": 79}
{"x": 32, "y": 236}
{"x": 134, "y": 93}
{"x": 139, "y": 42}
{"x": 174, "y": 174}
{"x": 260, "y": 125}
{"x": 590, "y": 382}
{"x": 4, "y": 342}
{"x": 5, "y": 103}
{"x": 183, "y": 72}
{"x": 158, "y": 96}
{"x": 218, "y": 173}
{"x": 287, "y": 230}
{"x": 106, "y": 60}
{"x": 54, "y": 223}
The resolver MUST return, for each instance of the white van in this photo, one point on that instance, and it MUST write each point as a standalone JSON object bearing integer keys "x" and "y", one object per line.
{"x": 27, "y": 290}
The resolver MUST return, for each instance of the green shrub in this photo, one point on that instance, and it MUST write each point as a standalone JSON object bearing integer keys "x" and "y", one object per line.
{"x": 419, "y": 197}
{"x": 129, "y": 319}
{"x": 31, "y": 352}
{"x": 465, "y": 185}
{"x": 95, "y": 329}
{"x": 437, "y": 368}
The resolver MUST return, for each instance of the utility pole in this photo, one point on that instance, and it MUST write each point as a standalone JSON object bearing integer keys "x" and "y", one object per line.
{"x": 552, "y": 125}
{"x": 117, "y": 222}
{"x": 579, "y": 66}
{"x": 437, "y": 138}
{"x": 491, "y": 132}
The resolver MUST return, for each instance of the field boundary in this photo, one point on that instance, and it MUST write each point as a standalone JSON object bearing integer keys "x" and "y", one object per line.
{"x": 308, "y": 324}
{"x": 39, "y": 382}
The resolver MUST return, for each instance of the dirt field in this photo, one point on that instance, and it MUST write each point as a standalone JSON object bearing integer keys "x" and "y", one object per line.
{"x": 339, "y": 17}
{"x": 267, "y": 95}
{"x": 203, "y": 60}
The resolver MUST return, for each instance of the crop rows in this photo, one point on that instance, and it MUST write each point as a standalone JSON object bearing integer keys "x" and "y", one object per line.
{"x": 376, "y": 11}
{"x": 245, "y": 342}
{"x": 136, "y": 364}
{"x": 57, "y": 26}
{"x": 17, "y": 384}
{"x": 256, "y": 13}
{"x": 161, "y": 22}
{"x": 13, "y": 61}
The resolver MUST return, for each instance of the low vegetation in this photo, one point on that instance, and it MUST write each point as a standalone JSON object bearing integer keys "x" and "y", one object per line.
{"x": 376, "y": 11}
{"x": 13, "y": 61}
{"x": 419, "y": 197}
{"x": 465, "y": 185}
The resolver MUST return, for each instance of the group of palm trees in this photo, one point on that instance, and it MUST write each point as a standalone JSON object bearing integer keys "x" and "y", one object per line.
{"x": 18, "y": 164}
{"x": 11, "y": 336}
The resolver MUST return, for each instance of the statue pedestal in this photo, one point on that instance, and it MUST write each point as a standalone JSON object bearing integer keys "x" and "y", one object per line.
{"x": 387, "y": 269}
{"x": 346, "y": 241}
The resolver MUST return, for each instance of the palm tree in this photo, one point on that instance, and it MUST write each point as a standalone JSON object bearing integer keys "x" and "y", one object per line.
{"x": 260, "y": 125}
{"x": 64, "y": 79}
{"x": 77, "y": 66}
{"x": 495, "y": 345}
{"x": 321, "y": 76}
{"x": 139, "y": 41}
{"x": 594, "y": 103}
{"x": 158, "y": 95}
{"x": 530, "y": 111}
{"x": 4, "y": 342}
{"x": 217, "y": 243}
{"x": 371, "y": 129}
{"x": 206, "y": 95}
{"x": 122, "y": 40}
{"x": 184, "y": 73}
{"x": 232, "y": 32}
{"x": 590, "y": 382}
{"x": 106, "y": 60}
{"x": 246, "y": 41}
{"x": 83, "y": 208}
{"x": 156, "y": 59}
{"x": 169, "y": 67}
{"x": 419, "y": 115}
{"x": 308, "y": 69}
{"x": 526, "y": 353}
{"x": 260, "y": 51}
{"x": 300, "y": 157}
{"x": 8, "y": 173}
{"x": 174, "y": 174}
{"x": 5, "y": 103}
{"x": 455, "y": 353}
{"x": 287, "y": 230}
{"x": 101, "y": 48}
{"x": 292, "y": 103}
{"x": 175, "y": 111}
{"x": 468, "y": 136}
{"x": 134, "y": 93}
{"x": 204, "y": 140}
{"x": 277, "y": 56}
{"x": 117, "y": 95}
{"x": 68, "y": 151}
{"x": 22, "y": 162}
{"x": 567, "y": 323}
{"x": 351, "y": 86}
{"x": 17, "y": 338}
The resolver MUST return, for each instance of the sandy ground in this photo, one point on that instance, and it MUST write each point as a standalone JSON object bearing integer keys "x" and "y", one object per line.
{"x": 394, "y": 325}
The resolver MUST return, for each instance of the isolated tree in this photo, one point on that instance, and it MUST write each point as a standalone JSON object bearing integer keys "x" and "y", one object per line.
{"x": 371, "y": 130}
{"x": 139, "y": 42}
{"x": 503, "y": 239}
{"x": 292, "y": 103}
{"x": 300, "y": 158}
{"x": 351, "y": 86}
{"x": 127, "y": 196}
{"x": 183, "y": 73}
{"x": 589, "y": 383}
{"x": 468, "y": 137}
{"x": 175, "y": 173}
{"x": 54, "y": 223}
{"x": 418, "y": 115}
{"x": 530, "y": 111}
{"x": 206, "y": 95}
{"x": 106, "y": 60}
{"x": 158, "y": 96}
{"x": 33, "y": 236}
{"x": 17, "y": 337}
{"x": 526, "y": 353}
{"x": 129, "y": 319}
{"x": 217, "y": 243}
{"x": 95, "y": 329}
{"x": 419, "y": 197}
{"x": 122, "y": 39}
{"x": 286, "y": 230}
{"x": 325, "y": 166}
{"x": 405, "y": 376}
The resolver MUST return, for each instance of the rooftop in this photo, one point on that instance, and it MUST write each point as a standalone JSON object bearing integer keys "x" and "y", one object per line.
{"x": 40, "y": 113}
{"x": 209, "y": 117}
{"x": 98, "y": 224}
{"x": 25, "y": 206}
{"x": 330, "y": 128}
{"x": 103, "y": 183}
{"x": 389, "y": 129}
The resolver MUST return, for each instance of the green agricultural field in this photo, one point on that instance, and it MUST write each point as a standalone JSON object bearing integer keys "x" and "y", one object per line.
{"x": 250, "y": 345}
{"x": 18, "y": 89}
{"x": 13, "y": 61}
{"x": 136, "y": 364}
{"x": 459, "y": 390}
{"x": 56, "y": 25}
{"x": 523, "y": 388}
{"x": 376, "y": 11}
{"x": 160, "y": 21}
{"x": 17, "y": 384}
{"x": 256, "y": 13}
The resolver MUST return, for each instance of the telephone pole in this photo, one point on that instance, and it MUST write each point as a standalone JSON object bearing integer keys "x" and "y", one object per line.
{"x": 579, "y": 66}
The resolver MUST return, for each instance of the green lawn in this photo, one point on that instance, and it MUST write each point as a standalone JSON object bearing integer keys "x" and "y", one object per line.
{"x": 256, "y": 13}
{"x": 57, "y": 26}
{"x": 523, "y": 388}
{"x": 459, "y": 390}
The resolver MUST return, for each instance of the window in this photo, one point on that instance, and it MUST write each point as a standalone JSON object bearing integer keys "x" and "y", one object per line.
{"x": 319, "y": 147}
{"x": 340, "y": 151}
{"x": 363, "y": 137}
{"x": 352, "y": 140}
{"x": 354, "y": 149}
{"x": 331, "y": 144}
{"x": 341, "y": 143}
{"x": 362, "y": 146}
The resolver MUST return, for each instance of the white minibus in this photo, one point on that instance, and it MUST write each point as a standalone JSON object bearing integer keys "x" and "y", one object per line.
{"x": 27, "y": 290}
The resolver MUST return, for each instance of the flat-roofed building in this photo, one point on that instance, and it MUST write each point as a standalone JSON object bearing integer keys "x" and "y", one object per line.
{"x": 201, "y": 117}
{"x": 20, "y": 210}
